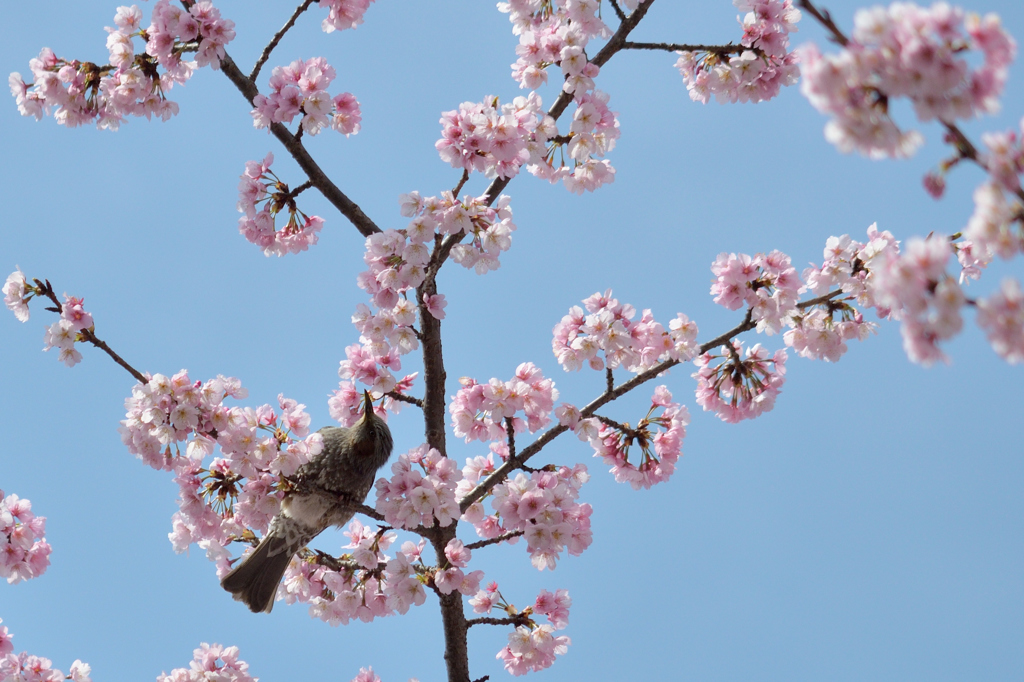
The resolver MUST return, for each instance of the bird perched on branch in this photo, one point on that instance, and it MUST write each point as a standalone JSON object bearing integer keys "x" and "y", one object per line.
{"x": 327, "y": 487}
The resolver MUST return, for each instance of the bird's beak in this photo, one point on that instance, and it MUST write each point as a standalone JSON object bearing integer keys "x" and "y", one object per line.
{"x": 367, "y": 405}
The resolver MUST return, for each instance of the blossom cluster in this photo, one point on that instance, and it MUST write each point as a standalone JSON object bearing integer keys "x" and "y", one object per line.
{"x": 363, "y": 584}
{"x": 480, "y": 411}
{"x": 741, "y": 386}
{"x": 660, "y": 439}
{"x": 767, "y": 284}
{"x": 258, "y": 184}
{"x": 62, "y": 334}
{"x": 916, "y": 287}
{"x": 995, "y": 227}
{"x": 762, "y": 64}
{"x": 81, "y": 92}
{"x": 25, "y": 667}
{"x": 848, "y": 267}
{"x": 24, "y": 552}
{"x": 211, "y": 662}
{"x": 592, "y": 134}
{"x": 17, "y": 293}
{"x": 906, "y": 51}
{"x": 421, "y": 490}
{"x": 558, "y": 33}
{"x": 495, "y": 139}
{"x": 609, "y": 329}
{"x": 301, "y": 89}
{"x": 542, "y": 506}
{"x": 555, "y": 33}
{"x": 238, "y": 490}
{"x": 452, "y": 578}
{"x": 531, "y": 646}
{"x": 343, "y": 14}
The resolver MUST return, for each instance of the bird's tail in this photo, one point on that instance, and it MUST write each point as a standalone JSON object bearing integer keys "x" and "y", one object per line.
{"x": 255, "y": 580}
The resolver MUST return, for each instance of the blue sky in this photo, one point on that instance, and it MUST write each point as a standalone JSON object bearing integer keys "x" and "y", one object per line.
{"x": 870, "y": 527}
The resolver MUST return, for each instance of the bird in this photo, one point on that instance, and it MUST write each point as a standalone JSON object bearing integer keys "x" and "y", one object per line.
{"x": 326, "y": 487}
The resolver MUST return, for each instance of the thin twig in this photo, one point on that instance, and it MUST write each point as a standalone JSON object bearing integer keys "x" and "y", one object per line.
{"x": 276, "y": 39}
{"x": 514, "y": 620}
{"x": 496, "y": 540}
{"x": 609, "y": 379}
{"x": 685, "y": 47}
{"x": 89, "y": 335}
{"x": 618, "y": 10}
{"x": 462, "y": 183}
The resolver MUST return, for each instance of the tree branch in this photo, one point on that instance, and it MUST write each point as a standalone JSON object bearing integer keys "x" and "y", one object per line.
{"x": 276, "y": 39}
{"x": 402, "y": 398}
{"x": 514, "y": 620}
{"x": 683, "y": 47}
{"x": 495, "y": 540}
{"x": 89, "y": 335}
{"x": 331, "y": 192}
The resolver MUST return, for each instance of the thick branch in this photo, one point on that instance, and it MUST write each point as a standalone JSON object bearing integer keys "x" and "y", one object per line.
{"x": 453, "y": 618}
{"x": 276, "y": 39}
{"x": 331, "y": 192}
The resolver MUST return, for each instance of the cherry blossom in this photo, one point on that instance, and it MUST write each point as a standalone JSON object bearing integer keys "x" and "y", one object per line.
{"x": 24, "y": 552}
{"x": 366, "y": 675}
{"x": 659, "y": 438}
{"x": 301, "y": 88}
{"x": 906, "y": 51}
{"x": 740, "y": 388}
{"x": 609, "y": 330}
{"x": 211, "y": 662}
{"x": 80, "y": 92}
{"x": 259, "y": 184}
{"x": 495, "y": 139}
{"x": 754, "y": 74}
{"x": 915, "y": 286}
{"x": 542, "y": 506}
{"x": 1001, "y": 315}
{"x": 768, "y": 284}
{"x": 480, "y": 411}
{"x": 421, "y": 490}
{"x": 344, "y": 14}
{"x": 17, "y": 293}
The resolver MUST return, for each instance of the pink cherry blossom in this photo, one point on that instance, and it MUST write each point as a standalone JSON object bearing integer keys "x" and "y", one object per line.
{"x": 543, "y": 506}
{"x": 659, "y": 438}
{"x": 420, "y": 491}
{"x": 301, "y": 89}
{"x": 259, "y": 184}
{"x": 344, "y": 14}
{"x": 366, "y": 675}
{"x": 211, "y": 662}
{"x": 79, "y": 92}
{"x": 916, "y": 287}
{"x": 906, "y": 51}
{"x": 753, "y": 74}
{"x": 17, "y": 293}
{"x": 1001, "y": 316}
{"x": 740, "y": 388}
{"x": 480, "y": 411}
{"x": 768, "y": 284}
{"x": 24, "y": 552}
{"x": 609, "y": 330}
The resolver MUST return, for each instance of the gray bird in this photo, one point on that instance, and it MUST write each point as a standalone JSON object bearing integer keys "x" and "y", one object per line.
{"x": 341, "y": 474}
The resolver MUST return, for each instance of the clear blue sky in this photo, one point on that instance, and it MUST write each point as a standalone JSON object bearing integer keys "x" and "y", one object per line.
{"x": 870, "y": 527}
